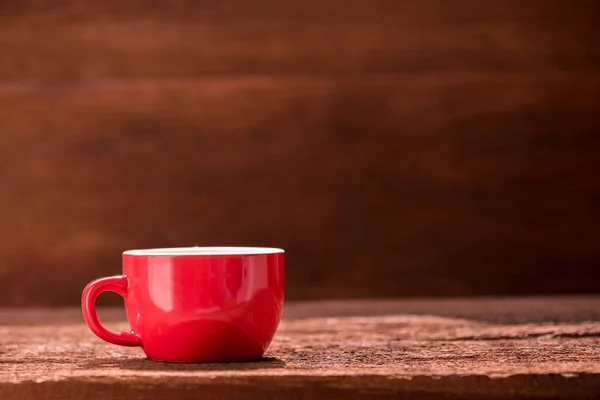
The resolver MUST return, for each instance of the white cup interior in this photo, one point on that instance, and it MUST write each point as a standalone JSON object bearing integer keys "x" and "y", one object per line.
{"x": 203, "y": 251}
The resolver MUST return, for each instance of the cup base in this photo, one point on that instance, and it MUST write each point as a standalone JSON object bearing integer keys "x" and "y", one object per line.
{"x": 208, "y": 361}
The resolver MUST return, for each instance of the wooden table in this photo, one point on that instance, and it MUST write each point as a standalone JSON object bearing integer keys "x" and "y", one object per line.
{"x": 426, "y": 349}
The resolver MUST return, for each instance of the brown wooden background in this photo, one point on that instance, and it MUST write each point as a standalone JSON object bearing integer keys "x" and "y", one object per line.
{"x": 393, "y": 148}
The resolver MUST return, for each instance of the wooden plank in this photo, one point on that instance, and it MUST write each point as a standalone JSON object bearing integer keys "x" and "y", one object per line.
{"x": 386, "y": 186}
{"x": 408, "y": 351}
{"x": 488, "y": 309}
{"x": 87, "y": 39}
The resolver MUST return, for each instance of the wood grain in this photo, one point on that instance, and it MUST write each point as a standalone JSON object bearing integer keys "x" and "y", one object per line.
{"x": 393, "y": 148}
{"x": 86, "y": 39}
{"x": 360, "y": 177}
{"x": 335, "y": 349}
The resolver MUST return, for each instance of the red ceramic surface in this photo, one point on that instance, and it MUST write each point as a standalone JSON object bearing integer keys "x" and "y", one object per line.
{"x": 200, "y": 304}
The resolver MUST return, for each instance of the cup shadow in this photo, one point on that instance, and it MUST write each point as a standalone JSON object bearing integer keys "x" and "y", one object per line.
{"x": 145, "y": 364}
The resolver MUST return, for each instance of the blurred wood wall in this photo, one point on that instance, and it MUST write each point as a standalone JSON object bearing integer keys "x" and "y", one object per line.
{"x": 393, "y": 148}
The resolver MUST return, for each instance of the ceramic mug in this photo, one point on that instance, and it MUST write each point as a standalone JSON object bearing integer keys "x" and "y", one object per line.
{"x": 197, "y": 304}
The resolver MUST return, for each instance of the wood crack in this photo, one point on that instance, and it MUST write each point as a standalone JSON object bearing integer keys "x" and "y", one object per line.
{"x": 533, "y": 335}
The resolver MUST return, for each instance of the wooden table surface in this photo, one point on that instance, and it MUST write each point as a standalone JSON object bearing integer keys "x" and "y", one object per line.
{"x": 428, "y": 349}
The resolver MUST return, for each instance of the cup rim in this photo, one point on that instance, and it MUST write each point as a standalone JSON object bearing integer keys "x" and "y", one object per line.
{"x": 205, "y": 251}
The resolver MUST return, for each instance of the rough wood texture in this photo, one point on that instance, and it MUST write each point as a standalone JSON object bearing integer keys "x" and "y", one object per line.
{"x": 393, "y": 148}
{"x": 505, "y": 348}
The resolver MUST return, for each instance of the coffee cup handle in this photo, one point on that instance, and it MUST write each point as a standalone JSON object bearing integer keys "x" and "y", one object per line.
{"x": 117, "y": 284}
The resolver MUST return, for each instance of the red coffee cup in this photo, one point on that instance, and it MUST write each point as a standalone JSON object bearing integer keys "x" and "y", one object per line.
{"x": 197, "y": 304}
